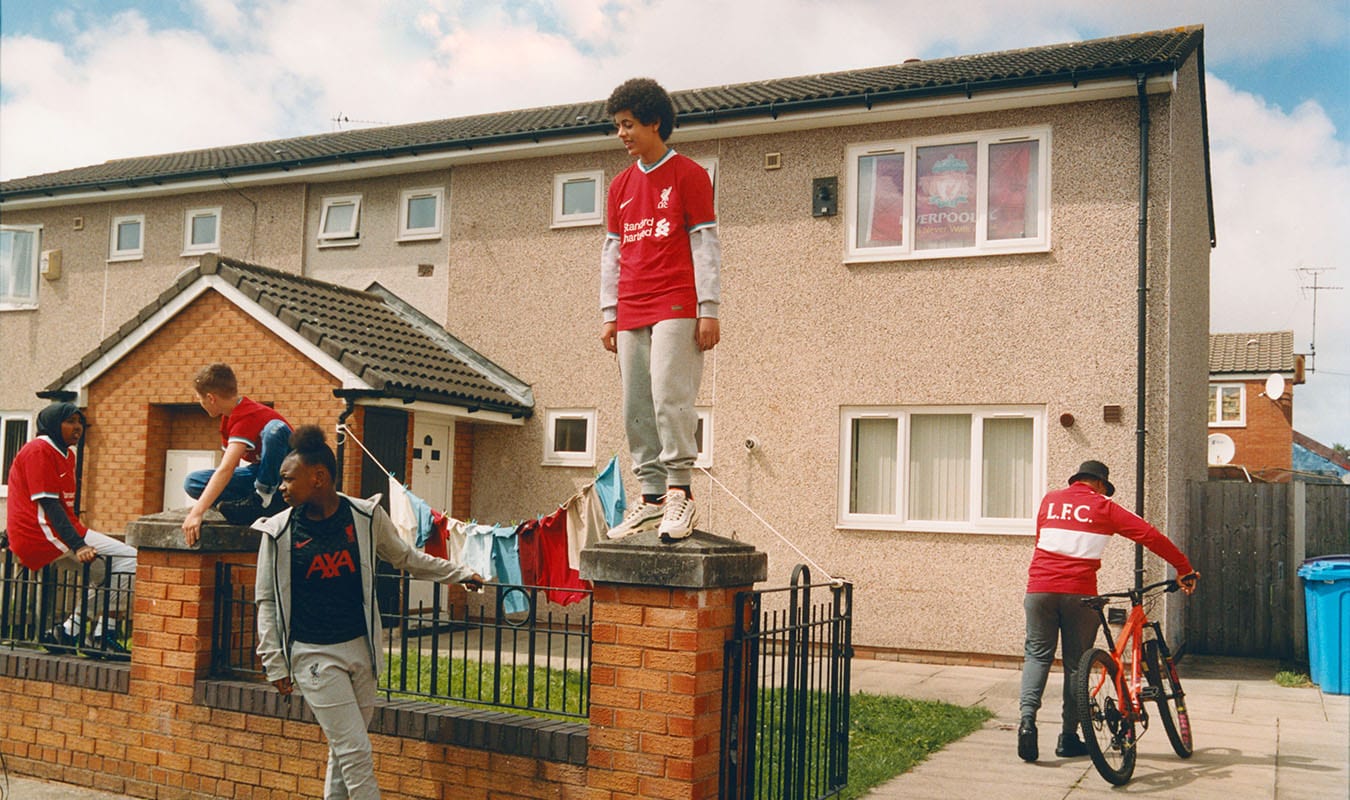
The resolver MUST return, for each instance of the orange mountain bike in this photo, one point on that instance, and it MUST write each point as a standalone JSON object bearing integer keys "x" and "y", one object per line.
{"x": 1111, "y": 688}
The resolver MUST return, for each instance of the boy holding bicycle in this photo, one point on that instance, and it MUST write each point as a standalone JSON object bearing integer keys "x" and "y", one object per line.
{"x": 1072, "y": 529}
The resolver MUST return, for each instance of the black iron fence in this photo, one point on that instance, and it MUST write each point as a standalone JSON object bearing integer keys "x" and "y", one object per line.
{"x": 509, "y": 648}
{"x": 785, "y": 692}
{"x": 66, "y": 608}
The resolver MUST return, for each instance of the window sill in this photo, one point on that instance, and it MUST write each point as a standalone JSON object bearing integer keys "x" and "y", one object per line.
{"x": 1237, "y": 424}
{"x": 18, "y": 307}
{"x": 590, "y": 222}
{"x": 1027, "y": 528}
{"x": 933, "y": 255}
{"x": 200, "y": 251}
{"x": 126, "y": 257}
{"x": 325, "y": 244}
{"x": 586, "y": 462}
{"x": 418, "y": 237}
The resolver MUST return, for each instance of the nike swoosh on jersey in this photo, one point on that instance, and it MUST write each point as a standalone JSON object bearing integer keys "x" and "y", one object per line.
{"x": 625, "y": 203}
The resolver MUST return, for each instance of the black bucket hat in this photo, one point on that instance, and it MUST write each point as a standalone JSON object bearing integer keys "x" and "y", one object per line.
{"x": 1097, "y": 470}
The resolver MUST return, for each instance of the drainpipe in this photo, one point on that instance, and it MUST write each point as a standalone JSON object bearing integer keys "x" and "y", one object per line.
{"x": 1140, "y": 431}
{"x": 341, "y": 439}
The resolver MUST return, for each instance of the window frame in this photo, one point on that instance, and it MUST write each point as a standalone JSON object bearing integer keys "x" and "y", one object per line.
{"x": 704, "y": 458}
{"x": 556, "y": 458}
{"x": 189, "y": 247}
{"x": 1216, "y": 392}
{"x": 975, "y": 523}
{"x": 711, "y": 165}
{"x": 30, "y": 300}
{"x": 906, "y": 251}
{"x": 596, "y": 217}
{"x": 349, "y": 237}
{"x": 407, "y": 234}
{"x": 7, "y": 418}
{"x": 135, "y": 254}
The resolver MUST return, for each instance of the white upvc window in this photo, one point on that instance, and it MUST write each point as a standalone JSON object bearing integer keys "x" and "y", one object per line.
{"x": 569, "y": 437}
{"x": 419, "y": 214}
{"x": 577, "y": 198}
{"x": 15, "y": 427}
{"x": 340, "y": 221}
{"x": 960, "y": 469}
{"x": 201, "y": 231}
{"x": 126, "y": 238}
{"x": 703, "y": 436}
{"x": 19, "y": 246}
{"x": 973, "y": 194}
{"x": 1227, "y": 405}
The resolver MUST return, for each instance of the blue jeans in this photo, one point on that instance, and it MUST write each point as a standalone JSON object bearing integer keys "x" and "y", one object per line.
{"x": 263, "y": 475}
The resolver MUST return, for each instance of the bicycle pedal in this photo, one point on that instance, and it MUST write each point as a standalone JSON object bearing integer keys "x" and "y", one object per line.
{"x": 1149, "y": 693}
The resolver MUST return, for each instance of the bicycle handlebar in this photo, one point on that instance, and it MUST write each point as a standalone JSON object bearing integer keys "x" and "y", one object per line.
{"x": 1169, "y": 585}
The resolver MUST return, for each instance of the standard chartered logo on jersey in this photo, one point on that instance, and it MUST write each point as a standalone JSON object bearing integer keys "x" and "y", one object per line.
{"x": 633, "y": 231}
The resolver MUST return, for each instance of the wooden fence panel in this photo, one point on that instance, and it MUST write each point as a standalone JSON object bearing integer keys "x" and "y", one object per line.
{"x": 1244, "y": 541}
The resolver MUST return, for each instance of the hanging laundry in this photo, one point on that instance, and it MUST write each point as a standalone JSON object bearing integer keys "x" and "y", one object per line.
{"x": 527, "y": 548}
{"x": 586, "y": 523}
{"x": 609, "y": 485}
{"x": 422, "y": 511}
{"x": 455, "y": 537}
{"x": 477, "y": 553}
{"x": 506, "y": 566}
{"x": 401, "y": 511}
{"x": 438, "y": 543}
{"x": 562, "y": 580}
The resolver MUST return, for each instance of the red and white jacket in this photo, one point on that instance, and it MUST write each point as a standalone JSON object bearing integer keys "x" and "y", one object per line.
{"x": 1072, "y": 529}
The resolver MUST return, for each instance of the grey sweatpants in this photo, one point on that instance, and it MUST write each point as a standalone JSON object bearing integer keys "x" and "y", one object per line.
{"x": 338, "y": 683}
{"x": 1051, "y": 618}
{"x": 661, "y": 367}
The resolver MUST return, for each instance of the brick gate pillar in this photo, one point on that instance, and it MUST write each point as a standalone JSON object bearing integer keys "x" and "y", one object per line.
{"x": 662, "y": 612}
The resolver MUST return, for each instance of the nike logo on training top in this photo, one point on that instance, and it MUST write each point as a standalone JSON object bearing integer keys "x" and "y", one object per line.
{"x": 625, "y": 203}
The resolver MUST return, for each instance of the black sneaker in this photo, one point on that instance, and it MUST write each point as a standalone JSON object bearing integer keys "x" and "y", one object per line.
{"x": 245, "y": 510}
{"x": 57, "y": 641}
{"x": 1070, "y": 746}
{"x": 105, "y": 647}
{"x": 1027, "y": 747}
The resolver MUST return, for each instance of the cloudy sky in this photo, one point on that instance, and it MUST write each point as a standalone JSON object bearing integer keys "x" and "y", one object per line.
{"x": 85, "y": 81}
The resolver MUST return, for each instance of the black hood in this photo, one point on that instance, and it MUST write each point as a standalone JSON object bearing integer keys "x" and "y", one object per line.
{"x": 50, "y": 418}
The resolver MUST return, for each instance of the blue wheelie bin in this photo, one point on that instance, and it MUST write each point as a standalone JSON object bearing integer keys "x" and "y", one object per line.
{"x": 1326, "y": 592}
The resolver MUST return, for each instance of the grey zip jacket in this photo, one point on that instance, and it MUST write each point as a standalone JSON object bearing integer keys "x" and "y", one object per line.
{"x": 375, "y": 535}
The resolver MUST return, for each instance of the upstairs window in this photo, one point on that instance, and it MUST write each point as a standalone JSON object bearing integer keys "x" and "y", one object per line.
{"x": 19, "y": 265}
{"x": 339, "y": 221}
{"x": 1227, "y": 405}
{"x": 419, "y": 214}
{"x": 576, "y": 199}
{"x": 971, "y": 195}
{"x": 127, "y": 238}
{"x": 201, "y": 231}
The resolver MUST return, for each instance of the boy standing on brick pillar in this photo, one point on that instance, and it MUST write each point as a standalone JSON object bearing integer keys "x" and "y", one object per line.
{"x": 250, "y": 433}
{"x": 660, "y": 289}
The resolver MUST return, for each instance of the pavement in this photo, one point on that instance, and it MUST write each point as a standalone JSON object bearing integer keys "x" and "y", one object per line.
{"x": 1253, "y": 739}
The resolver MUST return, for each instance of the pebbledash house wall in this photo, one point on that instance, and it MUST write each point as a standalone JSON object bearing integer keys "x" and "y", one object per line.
{"x": 804, "y": 333}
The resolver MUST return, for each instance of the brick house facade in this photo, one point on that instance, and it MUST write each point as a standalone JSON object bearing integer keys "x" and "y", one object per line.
{"x": 1250, "y": 432}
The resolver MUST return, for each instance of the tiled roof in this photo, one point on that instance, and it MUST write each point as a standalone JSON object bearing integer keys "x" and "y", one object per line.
{"x": 395, "y": 349}
{"x": 1072, "y": 63}
{"x": 1251, "y": 352}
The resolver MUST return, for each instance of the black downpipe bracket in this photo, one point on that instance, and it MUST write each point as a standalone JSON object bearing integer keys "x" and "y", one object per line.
{"x": 1141, "y": 406}
{"x": 341, "y": 437}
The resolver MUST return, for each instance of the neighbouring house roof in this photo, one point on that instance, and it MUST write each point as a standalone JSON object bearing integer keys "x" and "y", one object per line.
{"x": 1327, "y": 459}
{"x": 1157, "y": 52}
{"x": 1251, "y": 353}
{"x": 391, "y": 348}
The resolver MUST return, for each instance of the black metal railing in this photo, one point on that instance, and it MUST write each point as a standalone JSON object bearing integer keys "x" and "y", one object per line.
{"x": 508, "y": 649}
{"x": 66, "y": 608}
{"x": 785, "y": 692}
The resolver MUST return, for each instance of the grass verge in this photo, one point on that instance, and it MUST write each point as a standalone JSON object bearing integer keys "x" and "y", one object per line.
{"x": 890, "y": 735}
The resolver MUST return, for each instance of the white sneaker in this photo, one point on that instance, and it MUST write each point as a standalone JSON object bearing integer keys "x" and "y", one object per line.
{"x": 642, "y": 517}
{"x": 678, "y": 520}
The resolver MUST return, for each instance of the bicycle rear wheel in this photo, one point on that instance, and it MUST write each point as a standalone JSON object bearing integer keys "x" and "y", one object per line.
{"x": 1162, "y": 677}
{"x": 1107, "y": 732}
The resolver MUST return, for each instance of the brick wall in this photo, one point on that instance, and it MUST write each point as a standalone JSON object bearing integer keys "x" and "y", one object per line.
{"x": 124, "y": 461}
{"x": 1265, "y": 445}
{"x": 462, "y": 481}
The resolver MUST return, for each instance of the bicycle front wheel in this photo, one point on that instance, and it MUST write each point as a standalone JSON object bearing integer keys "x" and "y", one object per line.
{"x": 1107, "y": 731}
{"x": 1162, "y": 679}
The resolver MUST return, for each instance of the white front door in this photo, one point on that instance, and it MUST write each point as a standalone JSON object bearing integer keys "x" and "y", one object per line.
{"x": 433, "y": 467}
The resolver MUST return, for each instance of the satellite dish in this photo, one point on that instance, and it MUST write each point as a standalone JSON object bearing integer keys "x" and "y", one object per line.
{"x": 1221, "y": 449}
{"x": 1275, "y": 386}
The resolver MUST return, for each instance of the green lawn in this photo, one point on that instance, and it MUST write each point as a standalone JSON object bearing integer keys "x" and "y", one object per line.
{"x": 887, "y": 735}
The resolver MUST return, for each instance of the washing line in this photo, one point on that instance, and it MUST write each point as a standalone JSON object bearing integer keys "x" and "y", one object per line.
{"x": 772, "y": 529}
